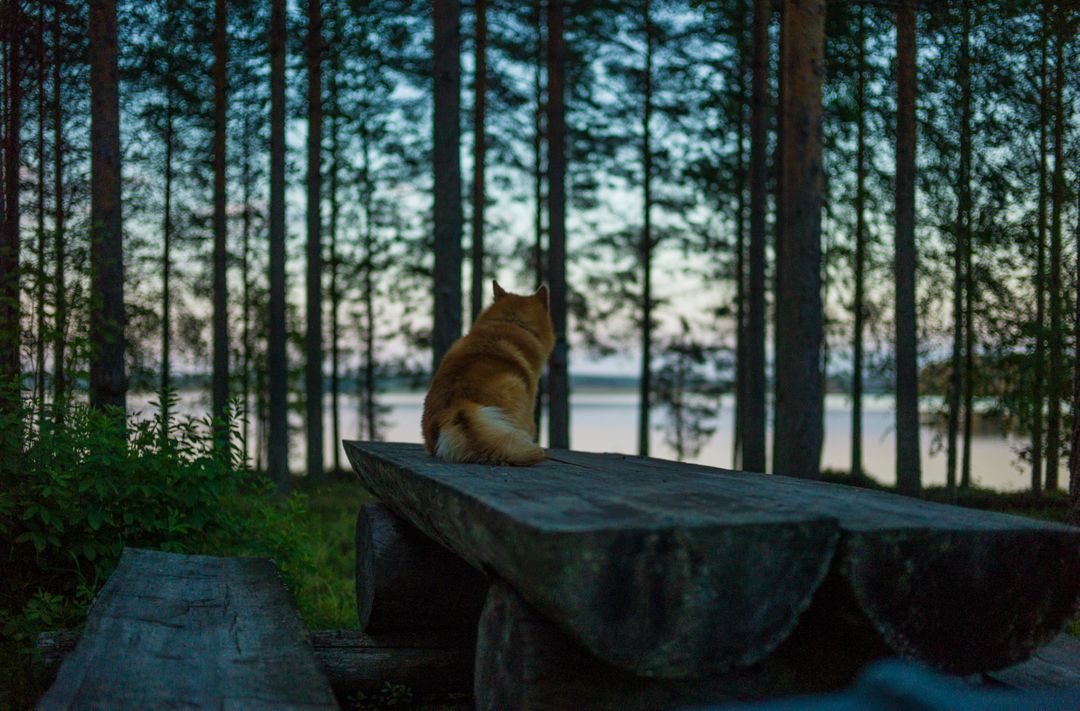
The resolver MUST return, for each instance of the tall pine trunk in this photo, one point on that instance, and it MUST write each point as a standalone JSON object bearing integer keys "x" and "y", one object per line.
{"x": 1074, "y": 450}
{"x": 908, "y": 471}
{"x": 479, "y": 147}
{"x": 59, "y": 382}
{"x": 10, "y": 327}
{"x": 335, "y": 295}
{"x": 313, "y": 371}
{"x": 277, "y": 456}
{"x": 1037, "y": 443}
{"x": 740, "y": 237}
{"x": 969, "y": 247}
{"x": 245, "y": 274}
{"x": 860, "y": 253}
{"x": 108, "y": 381}
{"x": 1056, "y": 375}
{"x": 538, "y": 185}
{"x": 39, "y": 281}
{"x": 797, "y": 442}
{"x": 370, "y": 412}
{"x": 447, "y": 170}
{"x": 752, "y": 419}
{"x": 558, "y": 368}
{"x": 221, "y": 313}
{"x": 646, "y": 245}
{"x": 166, "y": 259}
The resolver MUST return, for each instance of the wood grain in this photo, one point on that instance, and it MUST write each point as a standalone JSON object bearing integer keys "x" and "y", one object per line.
{"x": 172, "y": 630}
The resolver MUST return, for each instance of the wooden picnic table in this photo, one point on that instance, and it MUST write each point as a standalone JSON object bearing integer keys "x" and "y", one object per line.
{"x": 680, "y": 572}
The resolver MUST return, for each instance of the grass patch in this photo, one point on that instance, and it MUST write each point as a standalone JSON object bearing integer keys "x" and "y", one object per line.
{"x": 326, "y": 593}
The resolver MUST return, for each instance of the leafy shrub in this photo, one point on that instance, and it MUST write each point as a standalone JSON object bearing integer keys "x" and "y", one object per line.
{"x": 73, "y": 496}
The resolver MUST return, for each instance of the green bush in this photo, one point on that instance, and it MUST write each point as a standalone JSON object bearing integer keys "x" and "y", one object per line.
{"x": 73, "y": 496}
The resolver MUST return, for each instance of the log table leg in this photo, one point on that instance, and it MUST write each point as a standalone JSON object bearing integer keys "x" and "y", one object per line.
{"x": 525, "y": 662}
{"x": 405, "y": 581}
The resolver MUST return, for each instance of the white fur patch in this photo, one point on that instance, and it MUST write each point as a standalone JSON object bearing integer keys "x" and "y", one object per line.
{"x": 446, "y": 447}
{"x": 493, "y": 417}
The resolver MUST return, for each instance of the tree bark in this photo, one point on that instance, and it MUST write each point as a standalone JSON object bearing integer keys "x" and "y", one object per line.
{"x": 447, "y": 169}
{"x": 10, "y": 326}
{"x": 39, "y": 342}
{"x": 558, "y": 368}
{"x": 245, "y": 266}
{"x": 313, "y": 371}
{"x": 1074, "y": 450}
{"x": 1037, "y": 443}
{"x": 221, "y": 265}
{"x": 969, "y": 247}
{"x": 59, "y": 251}
{"x": 108, "y": 380}
{"x": 752, "y": 419}
{"x": 860, "y": 253}
{"x": 370, "y": 412}
{"x": 335, "y": 294}
{"x": 646, "y": 245}
{"x": 166, "y": 253}
{"x": 278, "y": 426}
{"x": 740, "y": 236}
{"x": 479, "y": 147}
{"x": 797, "y": 442}
{"x": 1056, "y": 367}
{"x": 908, "y": 471}
{"x": 538, "y": 185}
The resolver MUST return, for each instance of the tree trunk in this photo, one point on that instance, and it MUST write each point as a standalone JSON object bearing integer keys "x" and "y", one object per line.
{"x": 1037, "y": 443}
{"x": 59, "y": 286}
{"x": 278, "y": 426}
{"x": 908, "y": 472}
{"x": 370, "y": 413}
{"x": 108, "y": 381}
{"x": 1056, "y": 370}
{"x": 221, "y": 299}
{"x": 166, "y": 257}
{"x": 646, "y": 247}
{"x": 969, "y": 247}
{"x": 39, "y": 343}
{"x": 558, "y": 368}
{"x": 335, "y": 295}
{"x": 447, "y": 168}
{"x": 752, "y": 419}
{"x": 1074, "y": 450}
{"x": 797, "y": 442}
{"x": 10, "y": 326}
{"x": 860, "y": 253}
{"x": 313, "y": 371}
{"x": 479, "y": 147}
{"x": 740, "y": 240}
{"x": 538, "y": 186}
{"x": 245, "y": 266}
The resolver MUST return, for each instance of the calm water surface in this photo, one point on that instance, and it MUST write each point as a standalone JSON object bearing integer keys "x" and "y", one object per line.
{"x": 607, "y": 422}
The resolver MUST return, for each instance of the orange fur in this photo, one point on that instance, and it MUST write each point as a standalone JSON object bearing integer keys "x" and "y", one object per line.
{"x": 479, "y": 407}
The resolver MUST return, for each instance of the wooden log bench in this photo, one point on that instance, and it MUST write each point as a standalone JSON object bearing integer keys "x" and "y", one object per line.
{"x": 625, "y": 582}
{"x": 179, "y": 631}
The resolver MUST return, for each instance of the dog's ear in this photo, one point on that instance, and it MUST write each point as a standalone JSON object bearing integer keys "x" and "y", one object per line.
{"x": 544, "y": 297}
{"x": 498, "y": 290}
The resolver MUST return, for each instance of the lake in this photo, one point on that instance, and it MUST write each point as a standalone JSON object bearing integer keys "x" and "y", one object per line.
{"x": 607, "y": 422}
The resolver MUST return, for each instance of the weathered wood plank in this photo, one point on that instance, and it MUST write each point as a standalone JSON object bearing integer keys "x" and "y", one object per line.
{"x": 680, "y": 570}
{"x": 1055, "y": 666}
{"x": 962, "y": 590}
{"x": 525, "y": 662}
{"x": 434, "y": 664}
{"x": 406, "y": 581}
{"x": 171, "y": 630}
{"x": 668, "y": 576}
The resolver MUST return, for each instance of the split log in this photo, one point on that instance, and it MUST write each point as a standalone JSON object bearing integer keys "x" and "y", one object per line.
{"x": 525, "y": 662}
{"x": 435, "y": 664}
{"x": 680, "y": 571}
{"x": 406, "y": 581}
{"x": 674, "y": 576}
{"x": 171, "y": 630}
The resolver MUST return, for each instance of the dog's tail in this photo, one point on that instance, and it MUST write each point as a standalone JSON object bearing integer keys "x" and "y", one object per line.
{"x": 482, "y": 434}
